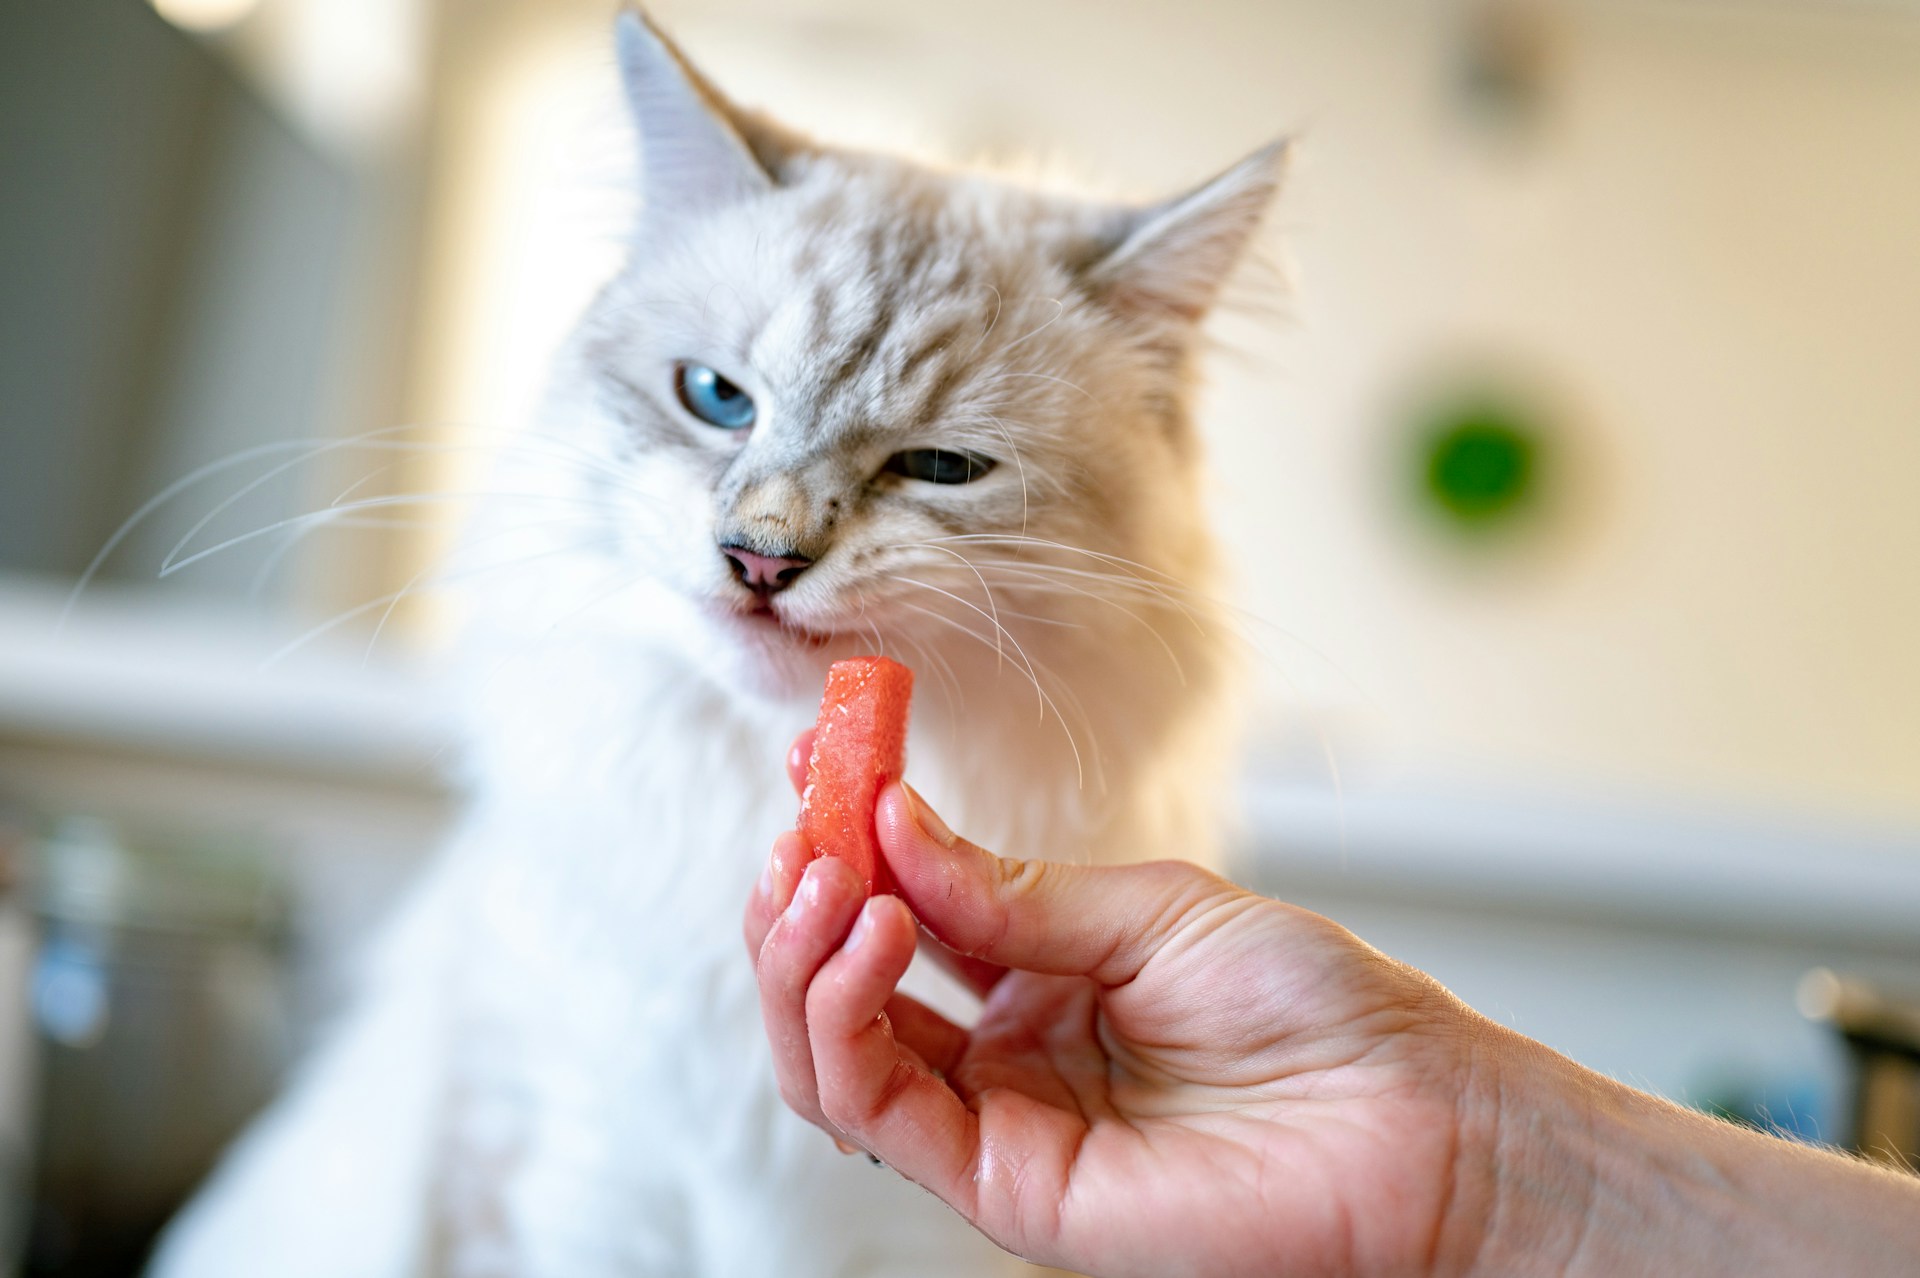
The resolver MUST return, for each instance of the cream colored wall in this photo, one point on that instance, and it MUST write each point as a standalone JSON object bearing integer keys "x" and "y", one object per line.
{"x": 1717, "y": 254}
{"x": 1712, "y": 254}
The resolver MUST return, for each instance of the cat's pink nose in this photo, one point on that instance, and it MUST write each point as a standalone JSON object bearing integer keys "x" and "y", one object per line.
{"x": 764, "y": 574}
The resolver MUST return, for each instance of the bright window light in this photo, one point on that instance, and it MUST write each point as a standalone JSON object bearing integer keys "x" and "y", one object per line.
{"x": 204, "y": 15}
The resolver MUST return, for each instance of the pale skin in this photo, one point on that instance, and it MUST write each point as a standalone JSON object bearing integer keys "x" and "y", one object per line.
{"x": 1170, "y": 1075}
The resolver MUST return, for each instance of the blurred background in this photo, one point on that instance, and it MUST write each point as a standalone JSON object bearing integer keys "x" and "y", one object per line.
{"x": 1574, "y": 490}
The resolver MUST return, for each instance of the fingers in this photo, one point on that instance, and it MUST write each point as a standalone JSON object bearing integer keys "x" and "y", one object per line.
{"x": 792, "y": 948}
{"x": 797, "y": 756}
{"x": 884, "y": 1097}
{"x": 797, "y": 943}
{"x": 993, "y": 1161}
{"x": 1039, "y": 916}
{"x": 866, "y": 1063}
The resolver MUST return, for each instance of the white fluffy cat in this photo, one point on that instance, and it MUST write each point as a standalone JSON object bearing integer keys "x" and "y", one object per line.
{"x": 836, "y": 403}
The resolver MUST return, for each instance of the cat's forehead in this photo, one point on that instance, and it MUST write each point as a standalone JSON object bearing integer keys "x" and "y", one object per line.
{"x": 878, "y": 294}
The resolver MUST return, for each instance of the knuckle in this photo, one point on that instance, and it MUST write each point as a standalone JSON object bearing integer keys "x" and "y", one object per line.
{"x": 1018, "y": 888}
{"x": 816, "y": 1003}
{"x": 782, "y": 974}
{"x": 1017, "y": 879}
{"x": 839, "y": 1111}
{"x": 1185, "y": 877}
{"x": 767, "y": 957}
{"x": 861, "y": 1111}
{"x": 1188, "y": 889}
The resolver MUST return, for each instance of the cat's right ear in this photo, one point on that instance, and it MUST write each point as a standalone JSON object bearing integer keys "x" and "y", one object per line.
{"x": 1171, "y": 259}
{"x": 698, "y": 151}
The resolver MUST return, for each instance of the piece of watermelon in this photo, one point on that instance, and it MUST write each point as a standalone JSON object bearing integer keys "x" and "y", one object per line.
{"x": 859, "y": 745}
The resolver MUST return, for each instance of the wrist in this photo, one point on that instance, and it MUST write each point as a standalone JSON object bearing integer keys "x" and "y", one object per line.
{"x": 1527, "y": 1158}
{"x": 1566, "y": 1172}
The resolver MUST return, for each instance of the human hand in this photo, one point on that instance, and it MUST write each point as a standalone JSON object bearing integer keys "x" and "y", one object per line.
{"x": 1168, "y": 1075}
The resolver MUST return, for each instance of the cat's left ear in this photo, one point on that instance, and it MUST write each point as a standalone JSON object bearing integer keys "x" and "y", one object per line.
{"x": 1170, "y": 260}
{"x": 698, "y": 150}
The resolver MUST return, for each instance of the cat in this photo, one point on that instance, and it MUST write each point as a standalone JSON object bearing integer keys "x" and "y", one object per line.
{"x": 835, "y": 403}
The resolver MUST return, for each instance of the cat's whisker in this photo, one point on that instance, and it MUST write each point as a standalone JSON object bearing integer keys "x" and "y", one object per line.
{"x": 341, "y": 618}
{"x": 295, "y": 536}
{"x": 1164, "y": 588}
{"x": 999, "y": 303}
{"x": 984, "y": 588}
{"x": 1211, "y": 608}
{"x": 1060, "y": 308}
{"x": 494, "y": 536}
{"x": 1245, "y": 645}
{"x": 1072, "y": 386}
{"x": 1046, "y": 701}
{"x": 155, "y": 502}
{"x": 1165, "y": 593}
{"x": 1026, "y": 571}
{"x": 341, "y": 497}
{"x": 999, "y": 630}
{"x": 301, "y": 532}
{"x": 1074, "y": 703}
{"x": 1160, "y": 584}
{"x": 332, "y": 446}
{"x": 1039, "y": 620}
{"x": 953, "y": 624}
{"x": 1026, "y": 500}
{"x": 1146, "y": 591}
{"x": 1131, "y": 564}
{"x": 1039, "y": 570}
{"x": 949, "y": 681}
{"x": 370, "y": 503}
{"x": 950, "y": 684}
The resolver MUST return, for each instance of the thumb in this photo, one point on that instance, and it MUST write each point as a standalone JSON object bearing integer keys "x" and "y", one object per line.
{"x": 1102, "y": 922}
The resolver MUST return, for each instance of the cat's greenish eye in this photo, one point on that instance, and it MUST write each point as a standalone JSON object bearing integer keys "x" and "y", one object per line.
{"x": 712, "y": 398}
{"x": 939, "y": 465}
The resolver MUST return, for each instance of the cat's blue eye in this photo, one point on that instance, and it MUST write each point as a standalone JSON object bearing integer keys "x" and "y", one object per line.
{"x": 940, "y": 465}
{"x": 712, "y": 398}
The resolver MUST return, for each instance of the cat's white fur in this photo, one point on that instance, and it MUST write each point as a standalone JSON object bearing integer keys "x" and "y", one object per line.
{"x": 558, "y": 1068}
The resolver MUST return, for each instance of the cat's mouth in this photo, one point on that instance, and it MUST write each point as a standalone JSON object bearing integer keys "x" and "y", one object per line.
{"x": 763, "y": 619}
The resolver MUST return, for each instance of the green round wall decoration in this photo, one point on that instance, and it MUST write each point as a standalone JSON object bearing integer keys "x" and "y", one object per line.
{"x": 1479, "y": 464}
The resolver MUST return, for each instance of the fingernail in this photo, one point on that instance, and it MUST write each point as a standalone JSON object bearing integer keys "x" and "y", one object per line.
{"x": 845, "y": 1148}
{"x": 862, "y": 928}
{"x": 928, "y": 819}
{"x": 764, "y": 888}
